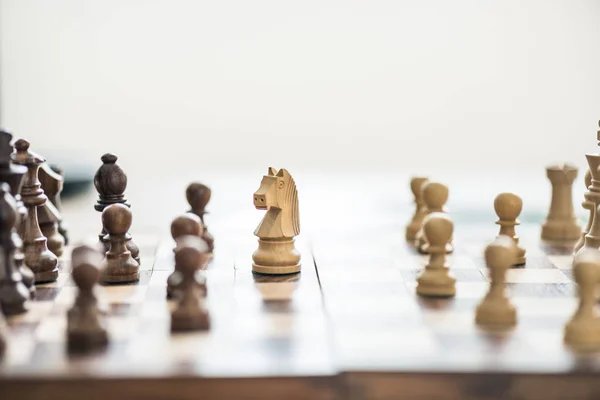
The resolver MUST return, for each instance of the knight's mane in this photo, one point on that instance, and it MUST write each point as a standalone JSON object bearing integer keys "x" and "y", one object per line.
{"x": 291, "y": 200}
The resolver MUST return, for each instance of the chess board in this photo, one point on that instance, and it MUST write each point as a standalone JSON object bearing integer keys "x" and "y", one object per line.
{"x": 348, "y": 326}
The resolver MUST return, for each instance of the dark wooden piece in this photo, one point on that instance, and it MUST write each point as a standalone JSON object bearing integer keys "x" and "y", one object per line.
{"x": 183, "y": 225}
{"x": 14, "y": 175}
{"x": 49, "y": 216}
{"x": 52, "y": 180}
{"x": 198, "y": 195}
{"x": 42, "y": 261}
{"x": 110, "y": 182}
{"x": 118, "y": 266}
{"x": 190, "y": 314}
{"x": 86, "y": 328}
{"x": 14, "y": 295}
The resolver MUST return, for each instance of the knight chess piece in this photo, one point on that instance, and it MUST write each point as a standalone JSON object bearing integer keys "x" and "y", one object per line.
{"x": 508, "y": 207}
{"x": 561, "y": 227}
{"x": 52, "y": 183}
{"x": 110, "y": 182}
{"x": 592, "y": 195}
{"x": 496, "y": 311}
{"x": 416, "y": 222}
{"x": 276, "y": 253}
{"x": 435, "y": 196}
{"x": 190, "y": 313}
{"x": 118, "y": 265}
{"x": 198, "y": 195}
{"x": 587, "y": 205}
{"x": 182, "y": 226}
{"x": 42, "y": 261}
{"x": 436, "y": 279}
{"x": 14, "y": 295}
{"x": 14, "y": 175}
{"x": 86, "y": 327}
{"x": 582, "y": 331}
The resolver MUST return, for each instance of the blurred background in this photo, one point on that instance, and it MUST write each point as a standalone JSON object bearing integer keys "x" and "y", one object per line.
{"x": 483, "y": 95}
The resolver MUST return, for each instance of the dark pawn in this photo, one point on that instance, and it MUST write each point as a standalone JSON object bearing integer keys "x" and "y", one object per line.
{"x": 86, "y": 328}
{"x": 14, "y": 175}
{"x": 52, "y": 183}
{"x": 42, "y": 261}
{"x": 198, "y": 196}
{"x": 190, "y": 313}
{"x": 48, "y": 218}
{"x": 14, "y": 295}
{"x": 118, "y": 265}
{"x": 110, "y": 182}
{"x": 184, "y": 225}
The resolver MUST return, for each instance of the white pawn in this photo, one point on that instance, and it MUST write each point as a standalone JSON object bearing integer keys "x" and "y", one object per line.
{"x": 435, "y": 196}
{"x": 436, "y": 280}
{"x": 495, "y": 310}
{"x": 508, "y": 207}
{"x": 582, "y": 332}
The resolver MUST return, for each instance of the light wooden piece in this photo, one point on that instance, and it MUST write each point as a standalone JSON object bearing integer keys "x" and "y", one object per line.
{"x": 435, "y": 196}
{"x": 592, "y": 195}
{"x": 508, "y": 207}
{"x": 86, "y": 325}
{"x": 276, "y": 253}
{"x": 118, "y": 265}
{"x": 587, "y": 205}
{"x": 582, "y": 332}
{"x": 42, "y": 261}
{"x": 496, "y": 310}
{"x": 191, "y": 313}
{"x": 561, "y": 227}
{"x": 416, "y": 222}
{"x": 14, "y": 295}
{"x": 436, "y": 279}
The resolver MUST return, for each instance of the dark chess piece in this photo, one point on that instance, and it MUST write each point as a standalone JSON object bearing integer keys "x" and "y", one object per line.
{"x": 42, "y": 261}
{"x": 14, "y": 295}
{"x": 52, "y": 184}
{"x": 48, "y": 218}
{"x": 2, "y": 335}
{"x": 198, "y": 195}
{"x": 110, "y": 182}
{"x": 190, "y": 313}
{"x": 86, "y": 328}
{"x": 118, "y": 266}
{"x": 184, "y": 225}
{"x": 14, "y": 175}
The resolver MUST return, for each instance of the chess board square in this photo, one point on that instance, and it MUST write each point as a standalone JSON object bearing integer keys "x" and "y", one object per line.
{"x": 526, "y": 275}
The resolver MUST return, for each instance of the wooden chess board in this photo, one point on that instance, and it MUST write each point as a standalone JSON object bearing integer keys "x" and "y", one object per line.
{"x": 349, "y": 326}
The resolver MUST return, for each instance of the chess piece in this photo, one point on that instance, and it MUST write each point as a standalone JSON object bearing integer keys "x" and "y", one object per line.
{"x": 587, "y": 205}
{"x": 48, "y": 218}
{"x": 276, "y": 253}
{"x": 2, "y": 335}
{"x": 52, "y": 183}
{"x": 592, "y": 195}
{"x": 42, "y": 261}
{"x": 190, "y": 313}
{"x": 198, "y": 196}
{"x": 435, "y": 196}
{"x": 14, "y": 295}
{"x": 110, "y": 182}
{"x": 184, "y": 225}
{"x": 561, "y": 227}
{"x": 118, "y": 265}
{"x": 86, "y": 328}
{"x": 495, "y": 310}
{"x": 416, "y": 222}
{"x": 436, "y": 279}
{"x": 582, "y": 332}
{"x": 14, "y": 175}
{"x": 508, "y": 207}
